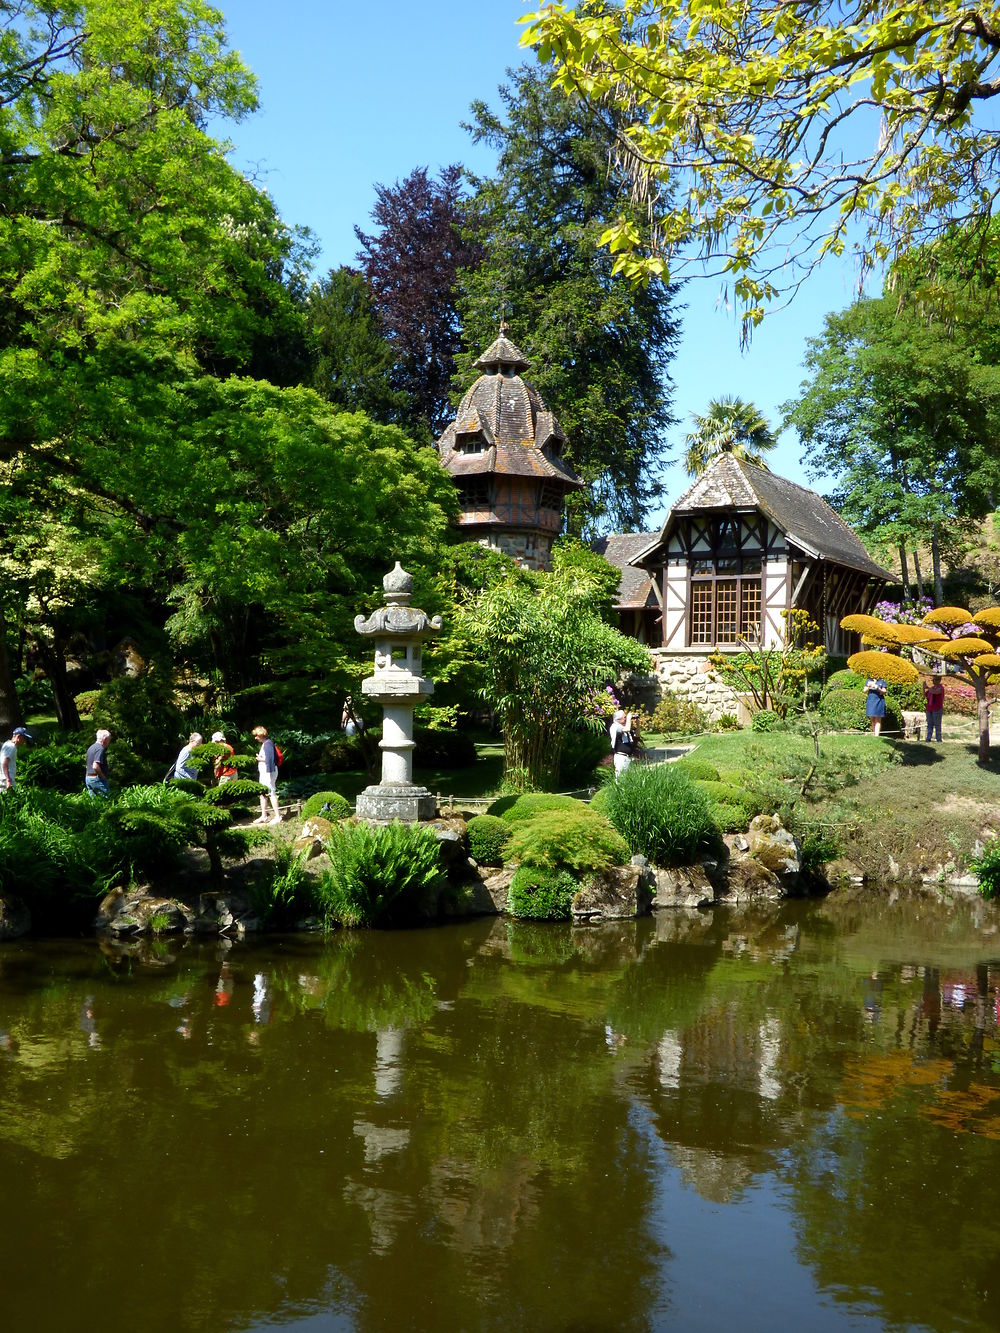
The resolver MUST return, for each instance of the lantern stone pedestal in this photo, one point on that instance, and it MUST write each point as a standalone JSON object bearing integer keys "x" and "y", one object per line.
{"x": 399, "y": 631}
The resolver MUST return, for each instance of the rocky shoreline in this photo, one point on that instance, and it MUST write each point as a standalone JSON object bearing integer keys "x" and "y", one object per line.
{"x": 762, "y": 866}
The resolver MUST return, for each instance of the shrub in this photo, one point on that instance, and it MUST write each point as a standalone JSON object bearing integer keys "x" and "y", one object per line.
{"x": 140, "y": 712}
{"x": 910, "y": 698}
{"x": 731, "y": 818}
{"x": 844, "y": 710}
{"x": 442, "y": 748}
{"x": 289, "y": 894}
{"x": 727, "y": 722}
{"x": 766, "y": 719}
{"x": 330, "y": 804}
{"x": 54, "y": 855}
{"x": 582, "y": 752}
{"x": 58, "y": 766}
{"x": 541, "y": 895}
{"x": 843, "y": 680}
{"x": 529, "y": 804}
{"x": 817, "y": 849}
{"x": 660, "y": 813}
{"x": 488, "y": 835}
{"x": 378, "y": 872}
{"x": 698, "y": 770}
{"x": 673, "y": 715}
{"x": 578, "y": 839}
{"x": 343, "y": 755}
{"x": 986, "y": 868}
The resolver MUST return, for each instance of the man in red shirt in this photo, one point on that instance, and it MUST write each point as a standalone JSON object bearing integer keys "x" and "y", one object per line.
{"x": 933, "y": 704}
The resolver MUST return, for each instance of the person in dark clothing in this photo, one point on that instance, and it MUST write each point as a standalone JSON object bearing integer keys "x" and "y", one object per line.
{"x": 96, "y": 779}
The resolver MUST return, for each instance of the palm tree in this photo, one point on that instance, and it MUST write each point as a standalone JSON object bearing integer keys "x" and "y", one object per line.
{"x": 731, "y": 425}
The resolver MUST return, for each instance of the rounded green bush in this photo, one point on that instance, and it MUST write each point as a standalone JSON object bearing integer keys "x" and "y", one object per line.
{"x": 660, "y": 813}
{"x": 843, "y": 680}
{"x": 530, "y": 804}
{"x": 579, "y": 838}
{"x": 844, "y": 710}
{"x": 541, "y": 895}
{"x": 698, "y": 770}
{"x": 330, "y": 804}
{"x": 732, "y": 818}
{"x": 488, "y": 835}
{"x": 766, "y": 720}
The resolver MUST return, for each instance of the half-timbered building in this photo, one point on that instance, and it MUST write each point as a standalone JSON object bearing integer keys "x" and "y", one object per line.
{"x": 738, "y": 548}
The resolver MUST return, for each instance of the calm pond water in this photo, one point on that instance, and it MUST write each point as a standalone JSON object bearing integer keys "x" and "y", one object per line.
{"x": 783, "y": 1118}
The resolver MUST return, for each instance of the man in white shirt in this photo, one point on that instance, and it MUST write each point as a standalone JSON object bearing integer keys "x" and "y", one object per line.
{"x": 622, "y": 740}
{"x": 8, "y": 758}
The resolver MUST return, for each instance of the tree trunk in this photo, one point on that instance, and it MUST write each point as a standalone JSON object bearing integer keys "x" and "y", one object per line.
{"x": 916, "y": 570}
{"x": 53, "y": 662}
{"x": 936, "y": 565}
{"x": 10, "y": 708}
{"x": 904, "y": 569}
{"x": 983, "y": 712}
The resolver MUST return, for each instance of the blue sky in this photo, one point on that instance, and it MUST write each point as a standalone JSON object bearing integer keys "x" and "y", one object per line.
{"x": 357, "y": 94}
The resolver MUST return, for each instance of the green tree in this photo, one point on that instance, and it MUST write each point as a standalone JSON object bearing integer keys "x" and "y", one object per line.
{"x": 901, "y": 411}
{"x": 598, "y": 347}
{"x": 731, "y": 425}
{"x": 795, "y": 127}
{"x": 352, "y": 362}
{"x": 546, "y": 652}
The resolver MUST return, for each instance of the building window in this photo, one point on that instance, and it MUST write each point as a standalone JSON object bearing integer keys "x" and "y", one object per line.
{"x": 702, "y": 621}
{"x": 750, "y": 609}
{"x": 474, "y": 493}
{"x": 724, "y": 611}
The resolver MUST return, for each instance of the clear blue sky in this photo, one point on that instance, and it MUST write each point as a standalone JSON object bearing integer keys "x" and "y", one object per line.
{"x": 357, "y": 94}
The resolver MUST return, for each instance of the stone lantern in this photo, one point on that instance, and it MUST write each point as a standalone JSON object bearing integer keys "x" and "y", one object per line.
{"x": 399, "y": 631}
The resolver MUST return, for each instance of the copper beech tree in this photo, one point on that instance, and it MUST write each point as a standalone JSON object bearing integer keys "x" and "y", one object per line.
{"x": 967, "y": 644}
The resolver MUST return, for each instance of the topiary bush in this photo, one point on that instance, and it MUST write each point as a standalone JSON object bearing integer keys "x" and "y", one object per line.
{"x": 538, "y": 894}
{"x": 698, "y": 770}
{"x": 844, "y": 710}
{"x": 530, "y": 804}
{"x": 330, "y": 804}
{"x": 379, "y": 873}
{"x": 488, "y": 836}
{"x": 843, "y": 680}
{"x": 660, "y": 813}
{"x": 576, "y": 839}
{"x": 734, "y": 793}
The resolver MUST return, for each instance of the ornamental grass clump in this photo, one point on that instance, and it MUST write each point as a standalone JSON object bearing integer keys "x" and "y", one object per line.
{"x": 578, "y": 839}
{"x": 379, "y": 873}
{"x": 660, "y": 813}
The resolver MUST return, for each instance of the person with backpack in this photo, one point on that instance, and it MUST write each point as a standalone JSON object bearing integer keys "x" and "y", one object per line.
{"x": 622, "y": 740}
{"x": 268, "y": 761}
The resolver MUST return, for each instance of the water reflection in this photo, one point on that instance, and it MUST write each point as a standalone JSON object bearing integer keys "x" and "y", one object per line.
{"x": 656, "y": 1124}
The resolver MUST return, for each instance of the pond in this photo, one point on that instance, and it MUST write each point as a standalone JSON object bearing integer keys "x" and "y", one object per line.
{"x": 782, "y": 1117}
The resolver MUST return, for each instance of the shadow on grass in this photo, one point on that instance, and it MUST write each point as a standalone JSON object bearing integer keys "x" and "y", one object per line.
{"x": 918, "y": 755}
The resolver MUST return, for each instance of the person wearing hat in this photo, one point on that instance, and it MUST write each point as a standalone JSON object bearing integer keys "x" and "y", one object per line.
{"x": 8, "y": 758}
{"x": 224, "y": 771}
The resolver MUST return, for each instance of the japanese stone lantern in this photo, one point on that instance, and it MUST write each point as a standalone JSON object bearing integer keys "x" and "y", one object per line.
{"x": 399, "y": 631}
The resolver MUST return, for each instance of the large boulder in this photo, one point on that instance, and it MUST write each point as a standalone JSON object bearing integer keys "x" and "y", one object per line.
{"x": 774, "y": 847}
{"x": 683, "y": 886}
{"x": 750, "y": 881}
{"x": 610, "y": 895}
{"x": 497, "y": 885}
{"x": 15, "y": 919}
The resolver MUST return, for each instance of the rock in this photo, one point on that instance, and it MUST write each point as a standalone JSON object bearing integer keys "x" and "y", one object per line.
{"x": 111, "y": 905}
{"x": 497, "y": 885}
{"x": 609, "y": 895}
{"x": 307, "y": 847}
{"x": 740, "y": 843}
{"x": 163, "y": 916}
{"x": 124, "y": 924}
{"x": 15, "y": 919}
{"x": 684, "y": 886}
{"x": 317, "y": 827}
{"x": 749, "y": 881}
{"x": 774, "y": 847}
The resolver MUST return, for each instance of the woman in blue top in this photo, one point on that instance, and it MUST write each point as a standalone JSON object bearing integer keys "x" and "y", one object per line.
{"x": 875, "y": 688}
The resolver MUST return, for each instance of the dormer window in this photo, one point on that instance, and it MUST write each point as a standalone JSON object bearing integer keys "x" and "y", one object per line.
{"x": 469, "y": 444}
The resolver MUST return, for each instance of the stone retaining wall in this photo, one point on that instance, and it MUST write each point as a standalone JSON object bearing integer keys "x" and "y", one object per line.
{"x": 687, "y": 675}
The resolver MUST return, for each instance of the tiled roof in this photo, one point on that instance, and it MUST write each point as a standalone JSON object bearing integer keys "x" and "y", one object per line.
{"x": 802, "y": 515}
{"x": 636, "y": 588}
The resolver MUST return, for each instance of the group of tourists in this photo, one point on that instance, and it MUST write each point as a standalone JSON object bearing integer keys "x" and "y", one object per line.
{"x": 96, "y": 782}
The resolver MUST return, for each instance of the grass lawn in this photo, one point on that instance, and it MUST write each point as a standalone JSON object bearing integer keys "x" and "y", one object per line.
{"x": 923, "y": 805}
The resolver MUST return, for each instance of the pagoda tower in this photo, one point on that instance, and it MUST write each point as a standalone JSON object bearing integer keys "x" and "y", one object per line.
{"x": 505, "y": 452}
